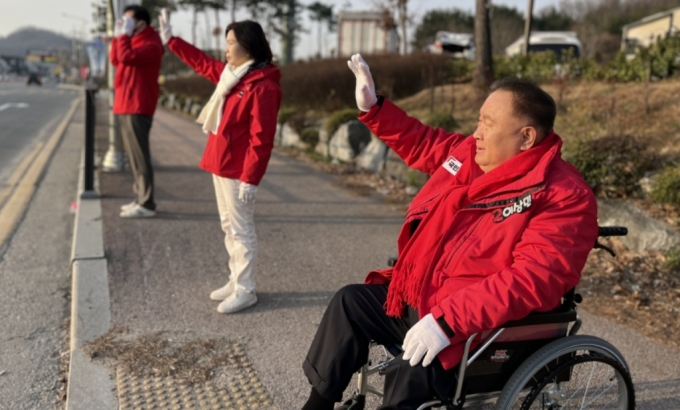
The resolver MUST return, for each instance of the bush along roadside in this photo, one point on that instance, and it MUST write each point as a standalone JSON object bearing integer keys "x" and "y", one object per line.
{"x": 613, "y": 166}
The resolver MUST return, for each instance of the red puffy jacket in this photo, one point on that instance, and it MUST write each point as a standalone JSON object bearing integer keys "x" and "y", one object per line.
{"x": 138, "y": 62}
{"x": 242, "y": 146}
{"x": 491, "y": 247}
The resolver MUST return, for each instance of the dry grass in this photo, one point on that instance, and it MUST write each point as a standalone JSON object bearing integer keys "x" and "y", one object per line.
{"x": 636, "y": 290}
{"x": 162, "y": 355}
{"x": 590, "y": 110}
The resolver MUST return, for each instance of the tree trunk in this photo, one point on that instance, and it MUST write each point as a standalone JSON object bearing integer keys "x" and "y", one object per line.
{"x": 527, "y": 27}
{"x": 483, "y": 75}
{"x": 209, "y": 43}
{"x": 194, "y": 24}
{"x": 233, "y": 10}
{"x": 288, "y": 35}
{"x": 218, "y": 36}
{"x": 320, "y": 33}
{"x": 402, "y": 22}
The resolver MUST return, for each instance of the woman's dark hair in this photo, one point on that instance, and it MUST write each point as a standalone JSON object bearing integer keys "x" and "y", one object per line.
{"x": 250, "y": 36}
{"x": 530, "y": 101}
{"x": 139, "y": 13}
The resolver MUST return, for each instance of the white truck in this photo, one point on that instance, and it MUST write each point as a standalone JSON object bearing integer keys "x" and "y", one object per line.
{"x": 458, "y": 45}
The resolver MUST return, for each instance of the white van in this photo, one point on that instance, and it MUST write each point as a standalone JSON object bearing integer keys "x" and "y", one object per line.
{"x": 557, "y": 41}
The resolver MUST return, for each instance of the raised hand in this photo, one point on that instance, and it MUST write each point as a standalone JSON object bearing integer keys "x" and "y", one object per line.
{"x": 365, "y": 88}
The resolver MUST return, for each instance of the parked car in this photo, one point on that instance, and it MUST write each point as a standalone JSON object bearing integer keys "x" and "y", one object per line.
{"x": 33, "y": 78}
{"x": 559, "y": 42}
{"x": 458, "y": 45}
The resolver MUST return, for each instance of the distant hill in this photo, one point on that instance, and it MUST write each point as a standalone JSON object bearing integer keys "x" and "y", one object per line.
{"x": 27, "y": 38}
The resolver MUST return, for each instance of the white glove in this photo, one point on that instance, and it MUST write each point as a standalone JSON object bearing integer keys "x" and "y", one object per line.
{"x": 128, "y": 25}
{"x": 118, "y": 29}
{"x": 247, "y": 192}
{"x": 365, "y": 89}
{"x": 425, "y": 338}
{"x": 166, "y": 28}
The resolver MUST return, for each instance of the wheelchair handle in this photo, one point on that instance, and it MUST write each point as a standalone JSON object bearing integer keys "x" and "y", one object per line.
{"x": 613, "y": 231}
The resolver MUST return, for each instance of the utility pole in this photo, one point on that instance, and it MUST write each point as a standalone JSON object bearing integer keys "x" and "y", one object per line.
{"x": 114, "y": 161}
{"x": 527, "y": 27}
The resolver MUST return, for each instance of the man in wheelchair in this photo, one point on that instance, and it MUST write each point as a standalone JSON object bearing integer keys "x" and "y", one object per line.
{"x": 502, "y": 228}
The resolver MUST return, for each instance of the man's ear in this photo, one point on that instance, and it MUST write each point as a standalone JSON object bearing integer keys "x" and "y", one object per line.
{"x": 529, "y": 138}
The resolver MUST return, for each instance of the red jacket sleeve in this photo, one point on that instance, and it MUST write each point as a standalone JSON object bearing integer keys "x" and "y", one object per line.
{"x": 265, "y": 108}
{"x": 420, "y": 146}
{"x": 146, "y": 54}
{"x": 113, "y": 54}
{"x": 200, "y": 62}
{"x": 547, "y": 263}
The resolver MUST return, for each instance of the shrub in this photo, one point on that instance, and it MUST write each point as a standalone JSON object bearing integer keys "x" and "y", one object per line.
{"x": 443, "y": 119}
{"x": 310, "y": 136}
{"x": 673, "y": 259}
{"x": 338, "y": 118}
{"x": 284, "y": 114}
{"x": 195, "y": 86}
{"x": 667, "y": 187}
{"x": 460, "y": 69}
{"x": 613, "y": 165}
{"x": 328, "y": 85}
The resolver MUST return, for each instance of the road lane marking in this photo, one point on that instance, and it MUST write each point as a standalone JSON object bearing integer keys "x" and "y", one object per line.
{"x": 13, "y": 210}
{"x": 15, "y": 105}
{"x": 14, "y": 179}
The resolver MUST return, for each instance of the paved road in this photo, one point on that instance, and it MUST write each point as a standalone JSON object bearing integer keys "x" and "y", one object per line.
{"x": 38, "y": 112}
{"x": 314, "y": 238}
{"x": 34, "y": 264}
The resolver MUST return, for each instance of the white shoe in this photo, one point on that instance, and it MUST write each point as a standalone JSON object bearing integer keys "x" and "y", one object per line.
{"x": 223, "y": 292}
{"x": 137, "y": 211}
{"x": 128, "y": 206}
{"x": 238, "y": 300}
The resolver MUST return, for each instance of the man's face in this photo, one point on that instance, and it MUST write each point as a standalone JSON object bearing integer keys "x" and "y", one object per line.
{"x": 140, "y": 25}
{"x": 500, "y": 133}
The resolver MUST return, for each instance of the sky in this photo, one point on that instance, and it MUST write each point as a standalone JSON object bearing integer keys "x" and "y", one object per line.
{"x": 73, "y": 17}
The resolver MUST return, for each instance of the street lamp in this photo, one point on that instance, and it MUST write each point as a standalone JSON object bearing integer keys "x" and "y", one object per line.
{"x": 78, "y": 39}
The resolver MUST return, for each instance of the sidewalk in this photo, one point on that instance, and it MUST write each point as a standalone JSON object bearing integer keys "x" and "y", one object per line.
{"x": 314, "y": 238}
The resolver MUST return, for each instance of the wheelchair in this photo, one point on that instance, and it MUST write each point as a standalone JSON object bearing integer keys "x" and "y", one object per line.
{"x": 534, "y": 363}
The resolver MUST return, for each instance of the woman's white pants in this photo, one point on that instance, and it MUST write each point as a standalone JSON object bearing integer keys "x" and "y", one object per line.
{"x": 237, "y": 218}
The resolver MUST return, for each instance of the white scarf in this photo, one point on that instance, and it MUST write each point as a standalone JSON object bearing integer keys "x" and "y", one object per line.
{"x": 211, "y": 115}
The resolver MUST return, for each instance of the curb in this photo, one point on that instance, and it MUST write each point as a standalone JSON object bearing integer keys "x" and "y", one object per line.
{"x": 70, "y": 87}
{"x": 89, "y": 385}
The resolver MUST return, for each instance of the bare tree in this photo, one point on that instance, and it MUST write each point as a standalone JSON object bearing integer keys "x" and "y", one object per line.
{"x": 401, "y": 6}
{"x": 483, "y": 75}
{"x": 196, "y": 6}
{"x": 322, "y": 13}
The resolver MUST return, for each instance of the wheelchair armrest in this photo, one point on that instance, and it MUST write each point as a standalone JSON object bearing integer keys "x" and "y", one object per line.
{"x": 560, "y": 315}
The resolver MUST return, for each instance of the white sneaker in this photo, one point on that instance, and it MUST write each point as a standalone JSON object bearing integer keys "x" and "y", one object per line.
{"x": 223, "y": 292}
{"x": 238, "y": 300}
{"x": 128, "y": 206}
{"x": 137, "y": 211}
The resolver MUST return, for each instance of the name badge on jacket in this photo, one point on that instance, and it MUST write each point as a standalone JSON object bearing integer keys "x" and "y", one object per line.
{"x": 452, "y": 165}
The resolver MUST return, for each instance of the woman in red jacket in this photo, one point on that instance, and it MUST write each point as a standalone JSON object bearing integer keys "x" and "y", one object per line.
{"x": 240, "y": 119}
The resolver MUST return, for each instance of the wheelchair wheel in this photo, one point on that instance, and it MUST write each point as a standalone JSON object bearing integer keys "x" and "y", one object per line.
{"x": 577, "y": 372}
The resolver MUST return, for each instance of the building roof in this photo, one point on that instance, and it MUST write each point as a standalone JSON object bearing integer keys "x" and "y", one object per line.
{"x": 360, "y": 15}
{"x": 653, "y": 17}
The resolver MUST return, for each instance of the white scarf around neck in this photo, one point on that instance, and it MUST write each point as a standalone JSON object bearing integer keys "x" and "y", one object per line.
{"x": 211, "y": 115}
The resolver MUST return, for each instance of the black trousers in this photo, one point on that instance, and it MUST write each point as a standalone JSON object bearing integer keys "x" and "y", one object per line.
{"x": 135, "y": 131}
{"x": 355, "y": 317}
